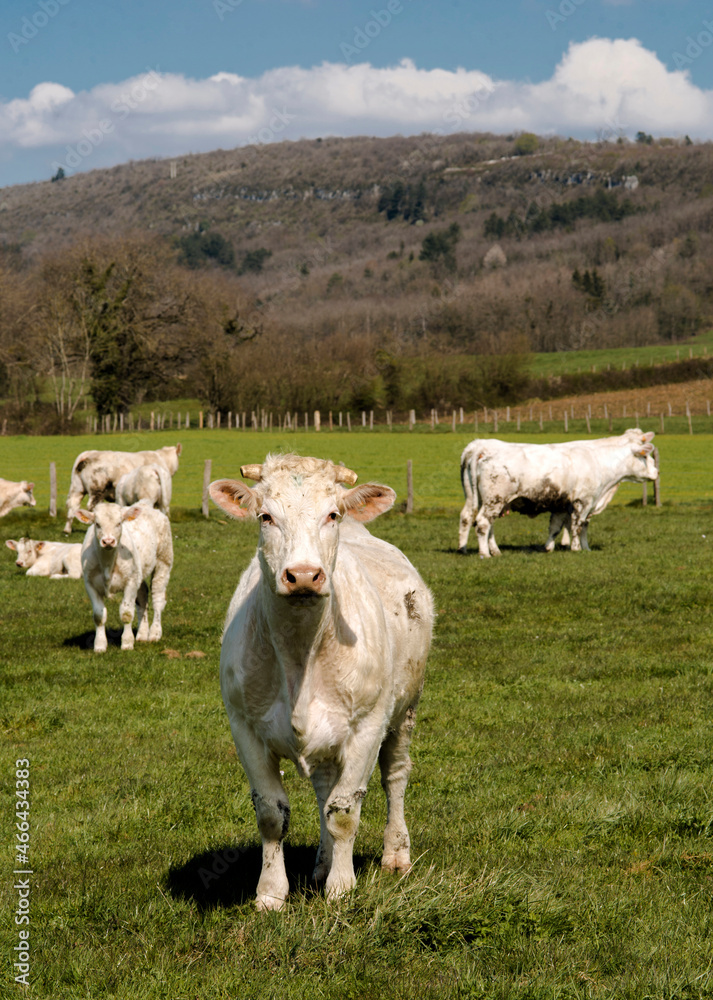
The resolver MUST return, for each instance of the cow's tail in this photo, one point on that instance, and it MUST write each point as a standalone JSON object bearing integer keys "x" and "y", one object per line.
{"x": 164, "y": 481}
{"x": 469, "y": 481}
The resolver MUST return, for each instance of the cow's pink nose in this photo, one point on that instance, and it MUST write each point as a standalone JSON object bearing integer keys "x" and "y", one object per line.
{"x": 108, "y": 542}
{"x": 303, "y": 579}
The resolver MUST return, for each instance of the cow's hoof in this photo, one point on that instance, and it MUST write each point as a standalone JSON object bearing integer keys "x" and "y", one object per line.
{"x": 264, "y": 903}
{"x": 398, "y": 862}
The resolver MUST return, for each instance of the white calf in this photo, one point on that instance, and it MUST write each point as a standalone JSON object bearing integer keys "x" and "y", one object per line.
{"x": 124, "y": 547}
{"x": 57, "y": 560}
{"x": 323, "y": 660}
{"x": 147, "y": 482}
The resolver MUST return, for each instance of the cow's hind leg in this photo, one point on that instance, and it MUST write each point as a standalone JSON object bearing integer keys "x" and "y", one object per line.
{"x": 466, "y": 520}
{"x": 159, "y": 585}
{"x": 126, "y": 613}
{"x": 323, "y": 779}
{"x": 395, "y": 767}
{"x": 142, "y": 616}
{"x": 487, "y": 545}
{"x": 557, "y": 521}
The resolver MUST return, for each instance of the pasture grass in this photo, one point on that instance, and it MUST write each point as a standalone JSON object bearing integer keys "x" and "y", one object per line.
{"x": 559, "y": 807}
{"x": 378, "y": 454}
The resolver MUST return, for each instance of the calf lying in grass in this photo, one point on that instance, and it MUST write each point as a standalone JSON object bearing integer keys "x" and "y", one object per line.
{"x": 57, "y": 560}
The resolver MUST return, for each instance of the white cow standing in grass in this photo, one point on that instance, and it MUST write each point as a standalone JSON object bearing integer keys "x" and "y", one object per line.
{"x": 572, "y": 480}
{"x": 57, "y": 560}
{"x": 323, "y": 660}
{"x": 15, "y": 495}
{"x": 96, "y": 473}
{"x": 147, "y": 482}
{"x": 123, "y": 548}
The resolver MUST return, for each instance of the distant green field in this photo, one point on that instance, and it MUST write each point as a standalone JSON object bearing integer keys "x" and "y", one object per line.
{"x": 568, "y": 362}
{"x": 686, "y": 460}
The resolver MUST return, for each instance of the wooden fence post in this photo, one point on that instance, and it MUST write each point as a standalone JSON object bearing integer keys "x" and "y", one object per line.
{"x": 317, "y": 421}
{"x": 349, "y": 421}
{"x": 409, "y": 487}
{"x": 657, "y": 481}
{"x": 53, "y": 490}
{"x": 206, "y": 483}
{"x": 453, "y": 425}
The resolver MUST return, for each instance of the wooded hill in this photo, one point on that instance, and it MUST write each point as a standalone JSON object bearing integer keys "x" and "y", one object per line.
{"x": 310, "y": 270}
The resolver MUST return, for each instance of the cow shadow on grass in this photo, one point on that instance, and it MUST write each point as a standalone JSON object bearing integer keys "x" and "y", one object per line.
{"x": 228, "y": 875}
{"x": 86, "y": 639}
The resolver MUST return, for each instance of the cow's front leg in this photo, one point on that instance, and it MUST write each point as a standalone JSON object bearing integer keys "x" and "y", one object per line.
{"x": 99, "y": 612}
{"x": 126, "y": 613}
{"x": 272, "y": 812}
{"x": 578, "y": 520}
{"x": 343, "y": 808}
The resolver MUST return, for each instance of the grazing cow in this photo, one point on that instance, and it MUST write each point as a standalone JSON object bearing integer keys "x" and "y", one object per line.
{"x": 124, "y": 547}
{"x": 323, "y": 658}
{"x": 15, "y": 495}
{"x": 576, "y": 480}
{"x": 562, "y": 522}
{"x": 148, "y": 482}
{"x": 57, "y": 560}
{"x": 96, "y": 473}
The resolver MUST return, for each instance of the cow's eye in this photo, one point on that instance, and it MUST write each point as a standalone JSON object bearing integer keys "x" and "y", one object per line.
{"x": 266, "y": 519}
{"x": 333, "y": 515}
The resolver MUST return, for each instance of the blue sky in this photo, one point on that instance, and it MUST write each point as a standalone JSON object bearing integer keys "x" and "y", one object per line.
{"x": 87, "y": 84}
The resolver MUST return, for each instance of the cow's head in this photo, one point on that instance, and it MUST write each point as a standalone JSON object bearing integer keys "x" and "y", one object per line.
{"x": 27, "y": 551}
{"x": 643, "y": 464}
{"x": 299, "y": 503}
{"x": 108, "y": 519}
{"x": 26, "y": 496}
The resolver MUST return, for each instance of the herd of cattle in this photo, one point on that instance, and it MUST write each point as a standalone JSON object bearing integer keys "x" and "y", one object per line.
{"x": 327, "y": 634}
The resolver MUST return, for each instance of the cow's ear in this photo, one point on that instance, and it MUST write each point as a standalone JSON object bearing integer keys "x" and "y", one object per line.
{"x": 644, "y": 449}
{"x": 649, "y": 436}
{"x": 28, "y": 486}
{"x": 39, "y": 546}
{"x": 131, "y": 513}
{"x": 179, "y": 446}
{"x": 11, "y": 544}
{"x": 85, "y": 516}
{"x": 236, "y": 498}
{"x": 367, "y": 501}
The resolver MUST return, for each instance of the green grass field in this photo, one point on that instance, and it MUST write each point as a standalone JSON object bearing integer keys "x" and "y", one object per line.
{"x": 560, "y": 803}
{"x": 379, "y": 454}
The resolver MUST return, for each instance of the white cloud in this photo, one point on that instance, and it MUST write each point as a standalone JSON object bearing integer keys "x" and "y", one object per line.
{"x": 597, "y": 83}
